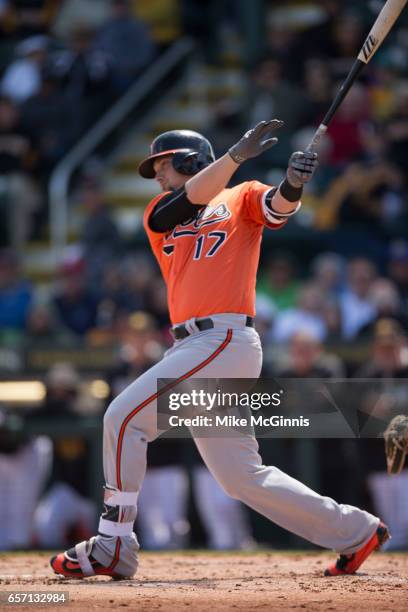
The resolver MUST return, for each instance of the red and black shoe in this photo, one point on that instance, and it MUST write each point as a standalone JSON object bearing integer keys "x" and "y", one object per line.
{"x": 349, "y": 564}
{"x": 77, "y": 562}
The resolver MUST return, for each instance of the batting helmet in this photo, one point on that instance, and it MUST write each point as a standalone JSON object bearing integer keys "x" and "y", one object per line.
{"x": 190, "y": 152}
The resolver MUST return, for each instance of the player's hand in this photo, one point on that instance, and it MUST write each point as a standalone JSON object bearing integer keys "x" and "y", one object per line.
{"x": 301, "y": 167}
{"x": 255, "y": 141}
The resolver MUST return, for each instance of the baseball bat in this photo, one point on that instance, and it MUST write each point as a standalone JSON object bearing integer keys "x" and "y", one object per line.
{"x": 382, "y": 25}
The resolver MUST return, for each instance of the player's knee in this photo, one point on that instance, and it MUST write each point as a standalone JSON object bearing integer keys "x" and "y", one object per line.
{"x": 241, "y": 484}
{"x": 231, "y": 486}
{"x": 111, "y": 415}
{"x": 144, "y": 422}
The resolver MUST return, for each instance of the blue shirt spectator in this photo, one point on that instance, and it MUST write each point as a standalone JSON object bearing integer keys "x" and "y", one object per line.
{"x": 76, "y": 307}
{"x": 15, "y": 293}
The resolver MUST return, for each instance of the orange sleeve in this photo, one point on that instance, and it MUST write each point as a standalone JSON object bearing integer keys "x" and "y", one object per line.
{"x": 253, "y": 198}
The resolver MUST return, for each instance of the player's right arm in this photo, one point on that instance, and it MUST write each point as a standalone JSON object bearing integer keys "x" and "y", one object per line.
{"x": 272, "y": 206}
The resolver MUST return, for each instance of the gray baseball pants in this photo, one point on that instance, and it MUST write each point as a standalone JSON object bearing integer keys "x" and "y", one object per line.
{"x": 230, "y": 350}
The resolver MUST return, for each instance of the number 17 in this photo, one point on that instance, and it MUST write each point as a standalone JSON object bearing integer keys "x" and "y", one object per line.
{"x": 219, "y": 240}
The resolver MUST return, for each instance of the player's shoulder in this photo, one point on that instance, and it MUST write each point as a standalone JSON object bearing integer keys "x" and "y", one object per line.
{"x": 238, "y": 192}
{"x": 251, "y": 191}
{"x": 257, "y": 186}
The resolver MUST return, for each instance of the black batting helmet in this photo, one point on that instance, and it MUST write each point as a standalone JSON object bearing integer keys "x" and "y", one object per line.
{"x": 190, "y": 151}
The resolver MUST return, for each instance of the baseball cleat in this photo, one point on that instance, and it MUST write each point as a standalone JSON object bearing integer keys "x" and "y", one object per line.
{"x": 349, "y": 564}
{"x": 77, "y": 562}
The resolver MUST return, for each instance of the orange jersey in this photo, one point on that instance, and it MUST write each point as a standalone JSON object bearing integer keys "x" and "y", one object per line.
{"x": 210, "y": 263}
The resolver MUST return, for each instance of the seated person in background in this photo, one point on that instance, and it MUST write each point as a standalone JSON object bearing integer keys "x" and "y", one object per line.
{"x": 75, "y": 306}
{"x": 18, "y": 158}
{"x": 25, "y": 463}
{"x": 64, "y": 512}
{"x": 127, "y": 41}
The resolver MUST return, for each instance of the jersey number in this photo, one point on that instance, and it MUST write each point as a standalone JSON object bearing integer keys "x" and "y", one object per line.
{"x": 219, "y": 240}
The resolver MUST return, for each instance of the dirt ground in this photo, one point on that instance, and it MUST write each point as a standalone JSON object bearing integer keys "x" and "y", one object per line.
{"x": 202, "y": 581}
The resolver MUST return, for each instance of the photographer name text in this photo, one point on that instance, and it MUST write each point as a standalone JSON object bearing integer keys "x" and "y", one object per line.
{"x": 236, "y": 421}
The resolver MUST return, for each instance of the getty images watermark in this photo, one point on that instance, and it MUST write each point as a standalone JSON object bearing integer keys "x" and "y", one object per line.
{"x": 224, "y": 407}
{"x": 222, "y": 401}
{"x": 279, "y": 408}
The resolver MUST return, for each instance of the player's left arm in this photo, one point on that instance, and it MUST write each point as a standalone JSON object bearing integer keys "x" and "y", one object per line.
{"x": 284, "y": 201}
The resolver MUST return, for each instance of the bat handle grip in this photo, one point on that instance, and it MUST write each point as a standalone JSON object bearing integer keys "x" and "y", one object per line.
{"x": 322, "y": 129}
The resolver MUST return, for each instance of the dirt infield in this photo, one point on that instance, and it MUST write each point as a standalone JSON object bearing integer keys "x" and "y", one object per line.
{"x": 202, "y": 581}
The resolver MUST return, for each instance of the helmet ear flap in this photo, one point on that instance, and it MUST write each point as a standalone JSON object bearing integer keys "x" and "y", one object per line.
{"x": 186, "y": 162}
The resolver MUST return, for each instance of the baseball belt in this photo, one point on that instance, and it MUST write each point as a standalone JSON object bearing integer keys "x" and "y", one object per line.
{"x": 180, "y": 331}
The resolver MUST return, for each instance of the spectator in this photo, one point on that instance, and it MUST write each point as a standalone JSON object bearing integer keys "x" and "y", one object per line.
{"x": 328, "y": 272}
{"x": 127, "y": 41}
{"x": 307, "y": 359}
{"x": 346, "y": 36}
{"x": 368, "y": 192}
{"x": 280, "y": 42}
{"x": 265, "y": 314}
{"x": 398, "y": 269}
{"x": 64, "y": 509}
{"x": 84, "y": 76}
{"x": 25, "y": 464}
{"x": 345, "y": 129}
{"x": 75, "y": 305}
{"x": 385, "y": 298}
{"x": 42, "y": 329}
{"x": 357, "y": 309}
{"x": 389, "y": 352}
{"x": 17, "y": 158}
{"x": 278, "y": 282}
{"x": 74, "y": 13}
{"x": 307, "y": 316}
{"x": 333, "y": 321}
{"x": 272, "y": 95}
{"x": 100, "y": 237}
{"x": 140, "y": 347}
{"x": 316, "y": 41}
{"x": 49, "y": 118}
{"x": 156, "y": 303}
{"x": 15, "y": 294}
{"x": 140, "y": 278}
{"x": 319, "y": 87}
{"x": 397, "y": 129}
{"x": 22, "y": 78}
{"x": 114, "y": 297}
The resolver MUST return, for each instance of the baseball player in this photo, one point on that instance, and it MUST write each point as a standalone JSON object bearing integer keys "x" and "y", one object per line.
{"x": 206, "y": 238}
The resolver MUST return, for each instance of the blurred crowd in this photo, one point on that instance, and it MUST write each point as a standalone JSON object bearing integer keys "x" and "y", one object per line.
{"x": 100, "y": 288}
{"x": 62, "y": 63}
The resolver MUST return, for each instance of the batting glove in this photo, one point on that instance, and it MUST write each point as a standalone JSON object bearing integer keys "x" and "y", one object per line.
{"x": 255, "y": 141}
{"x": 301, "y": 167}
